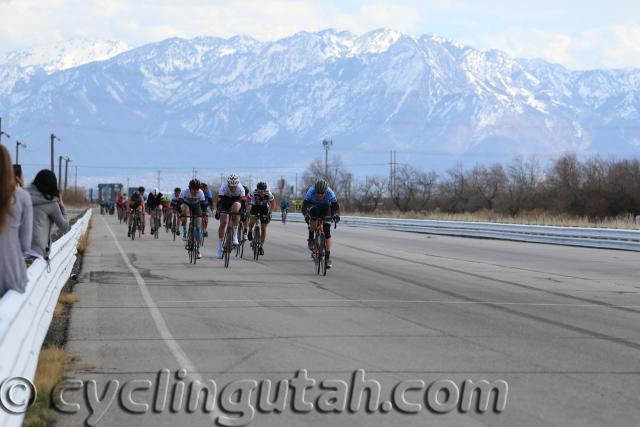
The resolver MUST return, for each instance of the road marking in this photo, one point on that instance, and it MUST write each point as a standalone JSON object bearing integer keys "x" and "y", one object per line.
{"x": 177, "y": 351}
{"x": 332, "y": 300}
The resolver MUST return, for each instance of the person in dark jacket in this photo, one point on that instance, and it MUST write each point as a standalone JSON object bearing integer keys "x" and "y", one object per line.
{"x": 48, "y": 209}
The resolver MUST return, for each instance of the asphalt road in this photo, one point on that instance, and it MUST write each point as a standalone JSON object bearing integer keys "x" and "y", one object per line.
{"x": 559, "y": 325}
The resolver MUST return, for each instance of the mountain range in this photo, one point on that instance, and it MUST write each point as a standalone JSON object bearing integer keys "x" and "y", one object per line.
{"x": 240, "y": 103}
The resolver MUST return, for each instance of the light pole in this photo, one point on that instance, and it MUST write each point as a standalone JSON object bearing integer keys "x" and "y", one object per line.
{"x": 18, "y": 145}
{"x": 66, "y": 173}
{"x": 53, "y": 138}
{"x": 8, "y": 135}
{"x": 326, "y": 143}
{"x": 60, "y": 172}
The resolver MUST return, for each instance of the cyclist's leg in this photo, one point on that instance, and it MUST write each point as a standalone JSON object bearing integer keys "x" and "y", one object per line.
{"x": 235, "y": 220}
{"x": 264, "y": 222}
{"x": 184, "y": 208}
{"x": 252, "y": 221}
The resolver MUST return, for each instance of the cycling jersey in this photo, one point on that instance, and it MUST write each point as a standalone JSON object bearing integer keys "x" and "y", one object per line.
{"x": 260, "y": 198}
{"x": 284, "y": 205}
{"x": 120, "y": 201}
{"x": 225, "y": 191}
{"x": 312, "y": 198}
{"x": 208, "y": 199}
{"x": 154, "y": 201}
{"x": 191, "y": 199}
{"x": 174, "y": 200}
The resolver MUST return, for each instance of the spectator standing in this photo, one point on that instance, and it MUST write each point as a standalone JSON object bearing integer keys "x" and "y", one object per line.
{"x": 48, "y": 209}
{"x": 15, "y": 227}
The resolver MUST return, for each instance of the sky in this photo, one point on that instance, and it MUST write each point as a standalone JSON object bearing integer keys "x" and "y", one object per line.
{"x": 580, "y": 35}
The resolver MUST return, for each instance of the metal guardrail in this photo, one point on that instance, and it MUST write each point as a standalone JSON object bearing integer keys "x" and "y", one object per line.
{"x": 604, "y": 238}
{"x": 25, "y": 318}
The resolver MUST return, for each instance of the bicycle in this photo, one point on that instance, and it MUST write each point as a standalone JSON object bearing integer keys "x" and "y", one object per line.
{"x": 135, "y": 224}
{"x": 257, "y": 235}
{"x": 284, "y": 215}
{"x": 319, "y": 250}
{"x": 174, "y": 223}
{"x": 227, "y": 240}
{"x": 192, "y": 245}
{"x": 241, "y": 239}
{"x": 156, "y": 222}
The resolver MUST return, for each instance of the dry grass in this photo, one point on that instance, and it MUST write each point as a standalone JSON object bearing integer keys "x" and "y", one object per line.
{"x": 63, "y": 301}
{"x": 528, "y": 218}
{"x": 52, "y": 364}
{"x": 83, "y": 243}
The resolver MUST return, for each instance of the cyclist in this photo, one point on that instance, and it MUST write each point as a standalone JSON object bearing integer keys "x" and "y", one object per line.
{"x": 229, "y": 202}
{"x": 174, "y": 206}
{"x": 136, "y": 203}
{"x": 262, "y": 203}
{"x": 145, "y": 196}
{"x": 190, "y": 200}
{"x": 243, "y": 211}
{"x": 206, "y": 205}
{"x": 320, "y": 202}
{"x": 154, "y": 203}
{"x": 120, "y": 202}
{"x": 284, "y": 207}
{"x": 165, "y": 210}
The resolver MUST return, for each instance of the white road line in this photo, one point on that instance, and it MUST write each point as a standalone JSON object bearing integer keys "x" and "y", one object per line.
{"x": 332, "y": 300}
{"x": 177, "y": 351}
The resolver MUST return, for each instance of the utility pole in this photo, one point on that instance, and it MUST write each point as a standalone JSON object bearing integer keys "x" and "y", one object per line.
{"x": 66, "y": 170}
{"x": 75, "y": 181}
{"x": 60, "y": 172}
{"x": 8, "y": 135}
{"x": 158, "y": 180}
{"x": 295, "y": 193}
{"x": 53, "y": 138}
{"x": 18, "y": 145}
{"x": 326, "y": 143}
{"x": 393, "y": 166}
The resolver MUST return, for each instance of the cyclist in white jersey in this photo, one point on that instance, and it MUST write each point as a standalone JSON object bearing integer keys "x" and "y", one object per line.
{"x": 229, "y": 197}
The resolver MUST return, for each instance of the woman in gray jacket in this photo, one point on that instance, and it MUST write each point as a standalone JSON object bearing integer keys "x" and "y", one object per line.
{"x": 48, "y": 209}
{"x": 15, "y": 228}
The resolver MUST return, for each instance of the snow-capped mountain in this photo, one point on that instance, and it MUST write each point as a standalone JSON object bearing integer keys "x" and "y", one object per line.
{"x": 21, "y": 65}
{"x": 188, "y": 102}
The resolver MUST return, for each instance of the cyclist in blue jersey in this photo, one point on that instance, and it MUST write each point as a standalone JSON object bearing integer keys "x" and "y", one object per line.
{"x": 321, "y": 202}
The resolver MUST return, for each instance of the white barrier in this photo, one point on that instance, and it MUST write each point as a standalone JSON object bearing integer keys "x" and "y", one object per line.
{"x": 25, "y": 318}
{"x": 604, "y": 238}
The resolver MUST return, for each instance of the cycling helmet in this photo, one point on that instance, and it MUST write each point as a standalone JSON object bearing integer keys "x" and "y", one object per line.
{"x": 321, "y": 186}
{"x": 233, "y": 180}
{"x": 177, "y": 190}
{"x": 262, "y": 186}
{"x": 194, "y": 183}
{"x": 141, "y": 190}
{"x": 155, "y": 192}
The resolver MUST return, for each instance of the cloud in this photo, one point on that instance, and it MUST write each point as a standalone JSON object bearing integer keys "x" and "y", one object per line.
{"x": 578, "y": 34}
{"x": 615, "y": 46}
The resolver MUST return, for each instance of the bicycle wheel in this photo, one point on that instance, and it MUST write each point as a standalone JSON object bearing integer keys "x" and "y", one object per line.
{"x": 323, "y": 257}
{"x": 227, "y": 245}
{"x": 133, "y": 230}
{"x": 174, "y": 226}
{"x": 256, "y": 241}
{"x": 317, "y": 255}
{"x": 193, "y": 244}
